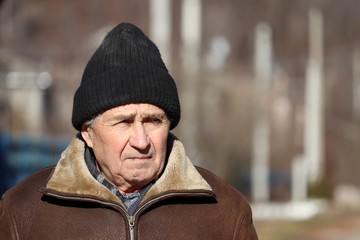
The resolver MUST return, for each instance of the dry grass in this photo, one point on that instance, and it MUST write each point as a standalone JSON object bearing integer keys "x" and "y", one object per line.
{"x": 312, "y": 229}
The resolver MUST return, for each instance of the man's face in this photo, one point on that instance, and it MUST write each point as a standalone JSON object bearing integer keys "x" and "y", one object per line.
{"x": 129, "y": 143}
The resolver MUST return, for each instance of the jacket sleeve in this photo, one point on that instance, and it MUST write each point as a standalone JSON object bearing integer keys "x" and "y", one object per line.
{"x": 7, "y": 226}
{"x": 245, "y": 229}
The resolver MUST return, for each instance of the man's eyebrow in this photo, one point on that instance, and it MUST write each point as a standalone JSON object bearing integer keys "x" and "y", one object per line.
{"x": 121, "y": 116}
{"x": 154, "y": 114}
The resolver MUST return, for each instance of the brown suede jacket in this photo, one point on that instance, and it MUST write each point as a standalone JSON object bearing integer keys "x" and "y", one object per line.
{"x": 66, "y": 202}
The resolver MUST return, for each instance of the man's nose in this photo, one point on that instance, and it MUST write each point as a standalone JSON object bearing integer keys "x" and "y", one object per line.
{"x": 139, "y": 138}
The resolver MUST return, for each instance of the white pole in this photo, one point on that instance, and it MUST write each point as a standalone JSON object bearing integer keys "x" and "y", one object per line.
{"x": 314, "y": 132}
{"x": 191, "y": 34}
{"x": 160, "y": 27}
{"x": 263, "y": 73}
{"x": 191, "y": 40}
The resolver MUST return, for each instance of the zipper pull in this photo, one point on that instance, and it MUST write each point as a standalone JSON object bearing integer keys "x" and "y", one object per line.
{"x": 131, "y": 226}
{"x": 131, "y": 221}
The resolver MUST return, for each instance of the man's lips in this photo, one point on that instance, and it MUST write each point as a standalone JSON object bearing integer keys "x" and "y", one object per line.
{"x": 139, "y": 157}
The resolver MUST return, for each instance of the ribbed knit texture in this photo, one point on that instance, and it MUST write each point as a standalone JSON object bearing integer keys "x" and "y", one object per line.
{"x": 126, "y": 68}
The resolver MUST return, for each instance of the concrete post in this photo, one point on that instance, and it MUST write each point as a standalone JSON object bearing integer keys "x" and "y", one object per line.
{"x": 160, "y": 27}
{"x": 191, "y": 40}
{"x": 260, "y": 152}
{"x": 314, "y": 132}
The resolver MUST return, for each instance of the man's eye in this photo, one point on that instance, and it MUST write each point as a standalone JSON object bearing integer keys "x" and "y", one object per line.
{"x": 127, "y": 121}
{"x": 155, "y": 121}
{"x": 124, "y": 121}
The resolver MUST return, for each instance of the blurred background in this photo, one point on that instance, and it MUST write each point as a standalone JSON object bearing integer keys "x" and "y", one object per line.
{"x": 270, "y": 95}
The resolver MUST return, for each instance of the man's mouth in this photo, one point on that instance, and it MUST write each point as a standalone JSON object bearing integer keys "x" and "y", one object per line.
{"x": 139, "y": 158}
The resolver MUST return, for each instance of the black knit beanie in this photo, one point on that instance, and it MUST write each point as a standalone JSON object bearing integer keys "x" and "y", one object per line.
{"x": 126, "y": 68}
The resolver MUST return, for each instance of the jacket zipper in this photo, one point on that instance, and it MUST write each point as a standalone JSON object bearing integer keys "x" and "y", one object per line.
{"x": 131, "y": 226}
{"x": 131, "y": 219}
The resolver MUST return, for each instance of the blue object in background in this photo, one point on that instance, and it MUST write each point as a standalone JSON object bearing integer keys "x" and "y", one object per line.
{"x": 23, "y": 154}
{"x": 5, "y": 172}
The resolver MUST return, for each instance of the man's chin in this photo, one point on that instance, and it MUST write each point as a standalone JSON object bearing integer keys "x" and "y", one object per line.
{"x": 141, "y": 177}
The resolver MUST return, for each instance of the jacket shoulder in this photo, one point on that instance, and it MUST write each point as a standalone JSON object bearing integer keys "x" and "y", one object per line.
{"x": 233, "y": 203}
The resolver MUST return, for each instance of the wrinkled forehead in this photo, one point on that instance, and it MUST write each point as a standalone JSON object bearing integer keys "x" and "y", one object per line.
{"x": 134, "y": 110}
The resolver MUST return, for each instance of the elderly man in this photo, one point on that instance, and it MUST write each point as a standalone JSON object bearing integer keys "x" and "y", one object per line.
{"x": 125, "y": 176}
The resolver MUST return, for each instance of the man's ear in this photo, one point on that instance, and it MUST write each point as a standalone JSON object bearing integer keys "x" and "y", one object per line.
{"x": 86, "y": 133}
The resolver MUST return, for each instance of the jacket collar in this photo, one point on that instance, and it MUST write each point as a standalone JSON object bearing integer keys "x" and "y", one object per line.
{"x": 72, "y": 177}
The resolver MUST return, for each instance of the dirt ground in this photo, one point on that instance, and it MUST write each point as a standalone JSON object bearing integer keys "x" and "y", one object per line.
{"x": 335, "y": 224}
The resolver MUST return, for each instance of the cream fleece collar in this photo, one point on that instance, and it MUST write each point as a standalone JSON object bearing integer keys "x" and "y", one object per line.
{"x": 71, "y": 175}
